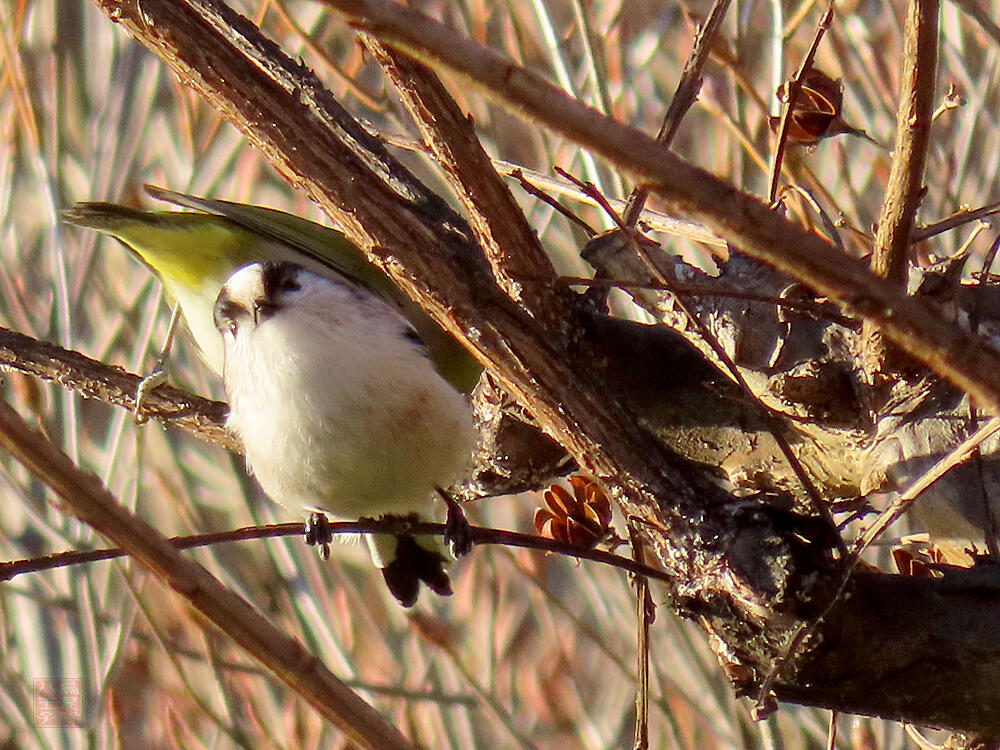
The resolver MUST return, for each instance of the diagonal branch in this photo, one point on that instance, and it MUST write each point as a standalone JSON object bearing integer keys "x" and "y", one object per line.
{"x": 284, "y": 656}
{"x": 744, "y": 570}
{"x": 684, "y": 98}
{"x": 518, "y": 261}
{"x": 739, "y": 218}
{"x": 197, "y": 416}
{"x": 790, "y": 100}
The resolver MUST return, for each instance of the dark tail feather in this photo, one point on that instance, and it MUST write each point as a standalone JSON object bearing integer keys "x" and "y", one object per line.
{"x": 411, "y": 565}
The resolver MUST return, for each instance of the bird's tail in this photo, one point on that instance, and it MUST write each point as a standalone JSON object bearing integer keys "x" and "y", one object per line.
{"x": 406, "y": 561}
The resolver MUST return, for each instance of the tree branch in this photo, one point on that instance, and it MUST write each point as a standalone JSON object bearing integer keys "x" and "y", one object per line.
{"x": 891, "y": 252}
{"x": 741, "y": 219}
{"x": 905, "y": 190}
{"x": 196, "y": 416}
{"x": 741, "y": 568}
{"x": 516, "y": 256}
{"x": 281, "y": 654}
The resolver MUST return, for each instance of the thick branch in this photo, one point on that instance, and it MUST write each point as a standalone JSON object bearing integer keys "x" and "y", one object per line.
{"x": 738, "y": 566}
{"x": 741, "y": 219}
{"x": 197, "y": 416}
{"x": 898, "y": 642}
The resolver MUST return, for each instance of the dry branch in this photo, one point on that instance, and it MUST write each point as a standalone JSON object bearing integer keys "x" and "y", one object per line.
{"x": 897, "y": 219}
{"x": 197, "y": 416}
{"x": 281, "y": 654}
{"x": 741, "y": 219}
{"x": 741, "y": 568}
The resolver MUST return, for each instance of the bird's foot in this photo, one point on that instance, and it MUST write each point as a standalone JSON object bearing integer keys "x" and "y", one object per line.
{"x": 318, "y": 534}
{"x": 147, "y": 385}
{"x": 158, "y": 376}
{"x": 457, "y": 531}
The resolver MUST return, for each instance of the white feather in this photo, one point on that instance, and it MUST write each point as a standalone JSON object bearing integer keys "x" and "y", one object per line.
{"x": 338, "y": 410}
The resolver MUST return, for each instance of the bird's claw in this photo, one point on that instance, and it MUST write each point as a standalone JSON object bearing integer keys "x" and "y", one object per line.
{"x": 147, "y": 385}
{"x": 318, "y": 534}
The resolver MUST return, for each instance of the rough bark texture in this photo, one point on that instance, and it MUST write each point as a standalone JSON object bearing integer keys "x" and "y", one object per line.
{"x": 198, "y": 416}
{"x": 751, "y": 572}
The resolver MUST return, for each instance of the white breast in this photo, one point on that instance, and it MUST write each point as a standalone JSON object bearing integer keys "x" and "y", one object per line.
{"x": 340, "y": 412}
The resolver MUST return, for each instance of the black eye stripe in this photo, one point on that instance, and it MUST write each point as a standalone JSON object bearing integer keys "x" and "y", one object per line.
{"x": 279, "y": 277}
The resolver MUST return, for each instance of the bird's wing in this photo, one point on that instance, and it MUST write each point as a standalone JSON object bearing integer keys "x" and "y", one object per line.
{"x": 324, "y": 245}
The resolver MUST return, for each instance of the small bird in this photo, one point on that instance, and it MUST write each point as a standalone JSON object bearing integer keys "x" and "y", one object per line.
{"x": 341, "y": 410}
{"x": 194, "y": 252}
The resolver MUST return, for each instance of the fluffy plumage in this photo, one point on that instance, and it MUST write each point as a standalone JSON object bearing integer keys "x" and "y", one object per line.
{"x": 340, "y": 409}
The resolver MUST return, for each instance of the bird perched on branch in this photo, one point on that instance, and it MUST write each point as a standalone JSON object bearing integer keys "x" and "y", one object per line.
{"x": 341, "y": 410}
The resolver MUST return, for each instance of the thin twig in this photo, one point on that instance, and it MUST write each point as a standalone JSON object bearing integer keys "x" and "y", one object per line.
{"x": 684, "y": 97}
{"x": 552, "y": 203}
{"x": 831, "y": 732}
{"x": 913, "y": 122}
{"x": 828, "y": 223}
{"x": 644, "y": 614}
{"x": 480, "y": 536}
{"x": 955, "y": 220}
{"x": 791, "y": 97}
{"x": 817, "y": 310}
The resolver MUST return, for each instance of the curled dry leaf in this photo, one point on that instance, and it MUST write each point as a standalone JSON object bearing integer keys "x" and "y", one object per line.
{"x": 582, "y": 518}
{"x": 918, "y": 566}
{"x": 816, "y": 113}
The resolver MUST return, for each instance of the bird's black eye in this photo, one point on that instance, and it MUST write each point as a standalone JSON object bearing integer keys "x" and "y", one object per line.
{"x": 227, "y": 314}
